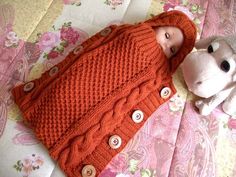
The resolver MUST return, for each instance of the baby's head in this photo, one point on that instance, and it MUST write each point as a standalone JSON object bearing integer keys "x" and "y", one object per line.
{"x": 176, "y": 34}
{"x": 170, "y": 38}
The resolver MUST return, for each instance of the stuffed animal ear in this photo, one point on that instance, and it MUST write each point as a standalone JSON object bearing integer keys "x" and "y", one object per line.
{"x": 204, "y": 43}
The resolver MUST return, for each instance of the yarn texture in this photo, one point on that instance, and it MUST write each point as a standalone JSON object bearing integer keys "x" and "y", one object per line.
{"x": 75, "y": 107}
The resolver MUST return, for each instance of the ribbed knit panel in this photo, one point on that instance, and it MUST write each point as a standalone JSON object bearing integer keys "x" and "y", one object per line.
{"x": 92, "y": 97}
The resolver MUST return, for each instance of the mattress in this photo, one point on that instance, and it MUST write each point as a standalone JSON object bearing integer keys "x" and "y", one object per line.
{"x": 176, "y": 141}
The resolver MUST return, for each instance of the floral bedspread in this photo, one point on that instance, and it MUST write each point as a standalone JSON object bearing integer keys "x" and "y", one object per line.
{"x": 176, "y": 141}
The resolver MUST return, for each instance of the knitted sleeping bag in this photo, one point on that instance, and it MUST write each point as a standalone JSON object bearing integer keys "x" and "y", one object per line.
{"x": 86, "y": 108}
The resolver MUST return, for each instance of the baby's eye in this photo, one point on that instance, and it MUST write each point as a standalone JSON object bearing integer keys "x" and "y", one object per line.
{"x": 167, "y": 35}
{"x": 172, "y": 49}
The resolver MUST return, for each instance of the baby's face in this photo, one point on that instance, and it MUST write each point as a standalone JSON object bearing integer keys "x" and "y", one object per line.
{"x": 170, "y": 38}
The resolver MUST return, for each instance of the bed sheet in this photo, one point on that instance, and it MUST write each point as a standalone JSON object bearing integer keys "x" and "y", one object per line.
{"x": 176, "y": 141}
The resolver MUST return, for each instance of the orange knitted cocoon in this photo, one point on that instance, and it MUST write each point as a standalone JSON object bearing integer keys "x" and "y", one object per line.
{"x": 86, "y": 108}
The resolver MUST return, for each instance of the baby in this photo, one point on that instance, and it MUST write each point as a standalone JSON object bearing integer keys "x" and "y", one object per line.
{"x": 87, "y": 108}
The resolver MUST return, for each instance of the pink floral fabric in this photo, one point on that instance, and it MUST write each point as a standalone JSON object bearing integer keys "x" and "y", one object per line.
{"x": 48, "y": 40}
{"x": 72, "y": 2}
{"x": 28, "y": 165}
{"x": 232, "y": 124}
{"x": 220, "y": 15}
{"x": 175, "y": 142}
{"x": 25, "y": 136}
{"x": 113, "y": 3}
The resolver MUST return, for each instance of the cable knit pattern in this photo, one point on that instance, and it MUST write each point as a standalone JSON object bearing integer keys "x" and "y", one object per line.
{"x": 96, "y": 89}
{"x": 110, "y": 120}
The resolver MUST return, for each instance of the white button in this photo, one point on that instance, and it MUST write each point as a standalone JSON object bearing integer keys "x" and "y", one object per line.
{"x": 88, "y": 171}
{"x": 78, "y": 49}
{"x": 106, "y": 31}
{"x": 53, "y": 71}
{"x": 137, "y": 116}
{"x": 165, "y": 92}
{"x": 29, "y": 86}
{"x": 115, "y": 142}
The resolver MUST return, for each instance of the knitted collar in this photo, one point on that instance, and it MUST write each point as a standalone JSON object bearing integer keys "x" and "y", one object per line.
{"x": 181, "y": 21}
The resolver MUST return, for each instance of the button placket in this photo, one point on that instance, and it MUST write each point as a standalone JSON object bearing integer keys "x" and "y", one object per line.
{"x": 137, "y": 116}
{"x": 106, "y": 31}
{"x": 53, "y": 70}
{"x": 115, "y": 141}
{"x": 88, "y": 171}
{"x": 28, "y": 86}
{"x": 78, "y": 49}
{"x": 165, "y": 92}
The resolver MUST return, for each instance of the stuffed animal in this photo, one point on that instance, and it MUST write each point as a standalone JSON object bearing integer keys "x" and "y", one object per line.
{"x": 210, "y": 72}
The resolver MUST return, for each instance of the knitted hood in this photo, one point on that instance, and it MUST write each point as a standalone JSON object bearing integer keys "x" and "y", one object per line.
{"x": 180, "y": 20}
{"x": 87, "y": 107}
